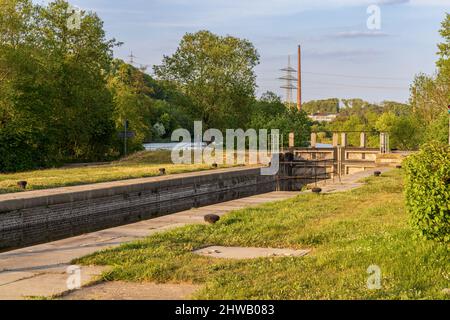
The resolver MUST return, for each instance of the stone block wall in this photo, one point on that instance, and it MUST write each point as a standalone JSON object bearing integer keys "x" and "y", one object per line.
{"x": 40, "y": 216}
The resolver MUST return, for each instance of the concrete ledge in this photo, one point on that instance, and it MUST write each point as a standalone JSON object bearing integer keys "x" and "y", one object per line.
{"x": 40, "y": 216}
{"x": 30, "y": 199}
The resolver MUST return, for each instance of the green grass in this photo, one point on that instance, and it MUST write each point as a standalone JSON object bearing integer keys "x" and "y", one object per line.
{"x": 139, "y": 165}
{"x": 347, "y": 232}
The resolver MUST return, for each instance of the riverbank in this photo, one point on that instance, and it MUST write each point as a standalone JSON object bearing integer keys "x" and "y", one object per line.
{"x": 41, "y": 271}
{"x": 349, "y": 233}
{"x": 139, "y": 165}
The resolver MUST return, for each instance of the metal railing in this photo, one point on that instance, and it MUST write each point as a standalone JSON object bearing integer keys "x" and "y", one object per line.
{"x": 320, "y": 170}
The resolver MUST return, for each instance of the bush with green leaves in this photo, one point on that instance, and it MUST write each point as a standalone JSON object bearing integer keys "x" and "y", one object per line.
{"x": 428, "y": 191}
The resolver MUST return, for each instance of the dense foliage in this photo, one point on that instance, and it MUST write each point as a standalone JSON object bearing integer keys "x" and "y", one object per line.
{"x": 430, "y": 95}
{"x": 270, "y": 113}
{"x": 217, "y": 73}
{"x": 64, "y": 98}
{"x": 389, "y": 116}
{"x": 54, "y": 103}
{"x": 428, "y": 191}
{"x": 322, "y": 106}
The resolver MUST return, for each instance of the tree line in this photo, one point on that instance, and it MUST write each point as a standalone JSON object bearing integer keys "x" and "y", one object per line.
{"x": 65, "y": 98}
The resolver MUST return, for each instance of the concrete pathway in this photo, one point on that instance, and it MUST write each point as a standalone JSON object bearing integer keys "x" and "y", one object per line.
{"x": 120, "y": 290}
{"x": 348, "y": 182}
{"x": 222, "y": 252}
{"x": 41, "y": 270}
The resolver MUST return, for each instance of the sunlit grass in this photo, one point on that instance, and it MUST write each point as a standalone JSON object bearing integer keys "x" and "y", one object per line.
{"x": 347, "y": 232}
{"x": 140, "y": 165}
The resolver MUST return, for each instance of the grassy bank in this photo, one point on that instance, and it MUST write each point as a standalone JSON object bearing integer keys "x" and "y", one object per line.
{"x": 139, "y": 165}
{"x": 348, "y": 232}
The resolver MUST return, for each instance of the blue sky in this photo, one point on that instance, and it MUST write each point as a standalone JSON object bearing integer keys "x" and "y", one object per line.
{"x": 341, "y": 56}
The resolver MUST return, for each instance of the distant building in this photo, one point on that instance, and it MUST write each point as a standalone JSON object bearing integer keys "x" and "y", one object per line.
{"x": 323, "y": 117}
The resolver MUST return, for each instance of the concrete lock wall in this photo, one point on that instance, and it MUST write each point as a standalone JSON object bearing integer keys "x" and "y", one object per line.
{"x": 40, "y": 216}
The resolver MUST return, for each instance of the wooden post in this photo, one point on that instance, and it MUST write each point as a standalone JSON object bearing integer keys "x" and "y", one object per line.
{"x": 388, "y": 146}
{"x": 335, "y": 139}
{"x": 344, "y": 141}
{"x": 340, "y": 161}
{"x": 291, "y": 140}
{"x": 313, "y": 139}
{"x": 363, "y": 140}
{"x": 384, "y": 142}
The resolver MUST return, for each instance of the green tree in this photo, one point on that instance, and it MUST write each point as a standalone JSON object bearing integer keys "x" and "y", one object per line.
{"x": 81, "y": 59}
{"x": 427, "y": 191}
{"x": 351, "y": 123}
{"x": 268, "y": 106}
{"x": 444, "y": 49}
{"x": 322, "y": 106}
{"x": 21, "y": 119}
{"x": 430, "y": 95}
{"x": 399, "y": 109}
{"x": 404, "y": 131}
{"x": 269, "y": 112}
{"x": 54, "y": 103}
{"x": 217, "y": 74}
{"x": 172, "y": 108}
{"x": 132, "y": 102}
{"x": 437, "y": 130}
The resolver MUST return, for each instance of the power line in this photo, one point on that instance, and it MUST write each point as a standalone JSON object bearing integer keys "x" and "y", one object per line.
{"x": 356, "y": 86}
{"x": 289, "y": 79}
{"x": 372, "y": 88}
{"x": 354, "y": 76}
{"x": 343, "y": 85}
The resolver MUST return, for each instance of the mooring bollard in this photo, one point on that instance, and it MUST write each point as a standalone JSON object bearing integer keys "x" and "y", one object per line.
{"x": 22, "y": 184}
{"x": 316, "y": 190}
{"x": 162, "y": 171}
{"x": 288, "y": 157}
{"x": 211, "y": 218}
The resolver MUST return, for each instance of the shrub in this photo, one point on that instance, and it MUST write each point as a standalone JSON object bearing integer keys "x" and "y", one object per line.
{"x": 19, "y": 151}
{"x": 428, "y": 191}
